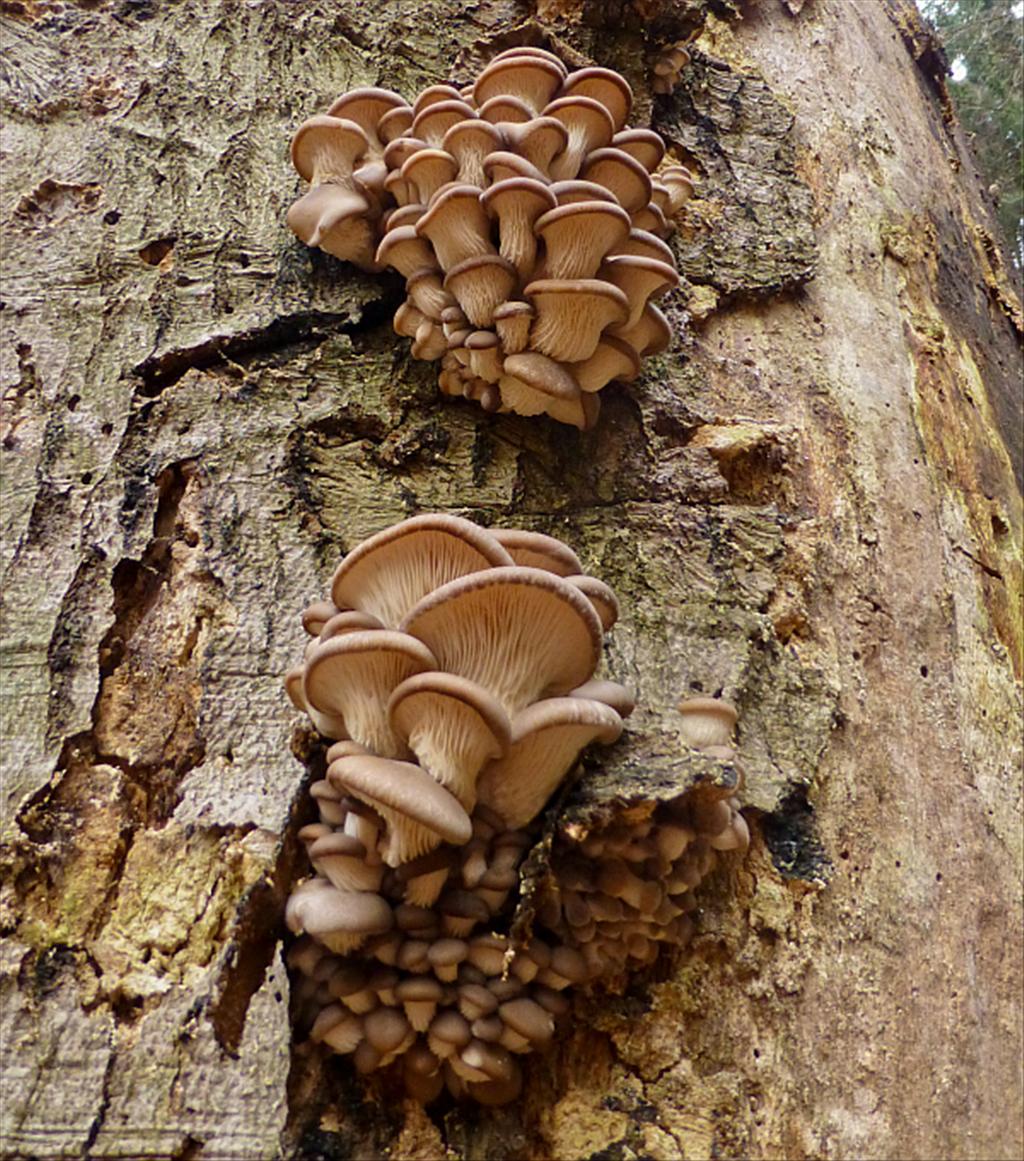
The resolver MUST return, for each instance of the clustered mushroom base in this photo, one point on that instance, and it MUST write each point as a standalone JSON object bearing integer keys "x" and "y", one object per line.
{"x": 526, "y": 217}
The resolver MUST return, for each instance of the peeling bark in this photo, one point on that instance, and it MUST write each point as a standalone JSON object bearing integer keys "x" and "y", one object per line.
{"x": 810, "y": 504}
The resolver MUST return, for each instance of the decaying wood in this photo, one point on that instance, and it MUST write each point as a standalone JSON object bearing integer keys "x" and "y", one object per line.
{"x": 808, "y": 505}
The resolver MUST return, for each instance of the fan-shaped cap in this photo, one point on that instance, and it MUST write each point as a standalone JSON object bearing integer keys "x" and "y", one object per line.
{"x": 590, "y": 127}
{"x": 457, "y": 225}
{"x": 330, "y": 725}
{"x": 640, "y": 280}
{"x": 605, "y": 86}
{"x": 644, "y": 244}
{"x": 428, "y": 171}
{"x": 651, "y": 335}
{"x": 389, "y": 572}
{"x": 340, "y": 920}
{"x": 515, "y": 631}
{"x": 432, "y": 94}
{"x": 536, "y": 550}
{"x": 612, "y": 359}
{"x": 644, "y": 145}
{"x": 481, "y": 284}
{"x": 433, "y": 122}
{"x": 599, "y": 594}
{"x": 512, "y": 322}
{"x": 707, "y": 721}
{"x": 351, "y": 677}
{"x": 547, "y": 738}
{"x": 316, "y": 615}
{"x": 419, "y": 813}
{"x": 469, "y": 142}
{"x": 619, "y": 697}
{"x": 503, "y": 110}
{"x": 342, "y": 858}
{"x": 533, "y": 383}
{"x": 366, "y": 106}
{"x": 326, "y": 148}
{"x": 426, "y": 292}
{"x": 532, "y": 79}
{"x": 348, "y": 621}
{"x": 571, "y": 314}
{"x": 567, "y": 192}
{"x": 334, "y": 218}
{"x": 453, "y": 726}
{"x": 517, "y": 203}
{"x": 578, "y": 235}
{"x": 502, "y": 165}
{"x": 621, "y": 174}
{"x": 539, "y": 140}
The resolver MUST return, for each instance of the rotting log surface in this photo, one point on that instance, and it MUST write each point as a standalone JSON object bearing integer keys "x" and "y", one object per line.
{"x": 809, "y": 504}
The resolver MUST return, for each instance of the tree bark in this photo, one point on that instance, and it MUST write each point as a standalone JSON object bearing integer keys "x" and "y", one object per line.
{"x": 810, "y": 504}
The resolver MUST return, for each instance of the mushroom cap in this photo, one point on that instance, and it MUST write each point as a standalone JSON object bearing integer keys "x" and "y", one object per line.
{"x": 651, "y": 335}
{"x": 389, "y": 572}
{"x": 506, "y": 109}
{"x": 529, "y": 1019}
{"x": 640, "y": 279}
{"x": 707, "y": 721}
{"x": 532, "y": 79}
{"x": 481, "y": 284}
{"x": 539, "y": 140}
{"x": 644, "y": 244}
{"x": 572, "y": 313}
{"x": 366, "y": 106}
{"x": 517, "y": 203}
{"x": 567, "y": 192}
{"x": 320, "y": 909}
{"x": 452, "y": 725}
{"x": 426, "y": 292}
{"x": 578, "y": 235}
{"x": 601, "y": 596}
{"x": 536, "y": 550}
{"x": 419, "y": 812}
{"x": 512, "y": 322}
{"x": 433, "y": 121}
{"x": 427, "y": 170}
{"x": 620, "y": 173}
{"x": 644, "y": 145}
{"x": 547, "y": 738}
{"x": 316, "y": 615}
{"x": 394, "y": 123}
{"x": 612, "y": 359}
{"x": 534, "y": 51}
{"x": 469, "y": 142}
{"x": 533, "y": 383}
{"x": 456, "y": 224}
{"x": 619, "y": 697}
{"x": 334, "y": 218}
{"x": 348, "y": 621}
{"x": 589, "y": 125}
{"x": 434, "y": 93}
{"x": 502, "y": 165}
{"x": 327, "y": 147}
{"x": 352, "y": 676}
{"x": 605, "y": 86}
{"x": 515, "y": 631}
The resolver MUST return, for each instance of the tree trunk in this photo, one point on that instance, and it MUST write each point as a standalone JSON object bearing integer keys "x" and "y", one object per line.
{"x": 808, "y": 504}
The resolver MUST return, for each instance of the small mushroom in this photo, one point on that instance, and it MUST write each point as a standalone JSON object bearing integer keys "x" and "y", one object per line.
{"x": 536, "y": 550}
{"x": 707, "y": 721}
{"x": 341, "y": 920}
{"x": 512, "y": 322}
{"x": 457, "y": 226}
{"x": 517, "y": 203}
{"x": 418, "y": 812}
{"x": 533, "y": 80}
{"x": 589, "y": 126}
{"x": 481, "y": 284}
{"x": 577, "y": 236}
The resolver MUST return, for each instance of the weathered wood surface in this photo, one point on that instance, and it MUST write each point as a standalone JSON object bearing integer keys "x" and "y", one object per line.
{"x": 809, "y": 504}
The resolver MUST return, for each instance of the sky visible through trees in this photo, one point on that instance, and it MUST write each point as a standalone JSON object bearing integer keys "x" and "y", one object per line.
{"x": 984, "y": 41}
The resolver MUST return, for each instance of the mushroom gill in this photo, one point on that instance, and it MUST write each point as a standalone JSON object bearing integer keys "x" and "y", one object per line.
{"x": 524, "y": 200}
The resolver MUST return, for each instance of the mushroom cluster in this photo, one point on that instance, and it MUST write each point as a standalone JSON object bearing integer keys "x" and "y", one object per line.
{"x": 669, "y": 65}
{"x": 454, "y": 667}
{"x": 527, "y": 218}
{"x": 628, "y": 885}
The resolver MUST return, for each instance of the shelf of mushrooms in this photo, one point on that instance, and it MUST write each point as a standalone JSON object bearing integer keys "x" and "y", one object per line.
{"x": 626, "y": 886}
{"x": 527, "y": 218}
{"x": 454, "y": 668}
